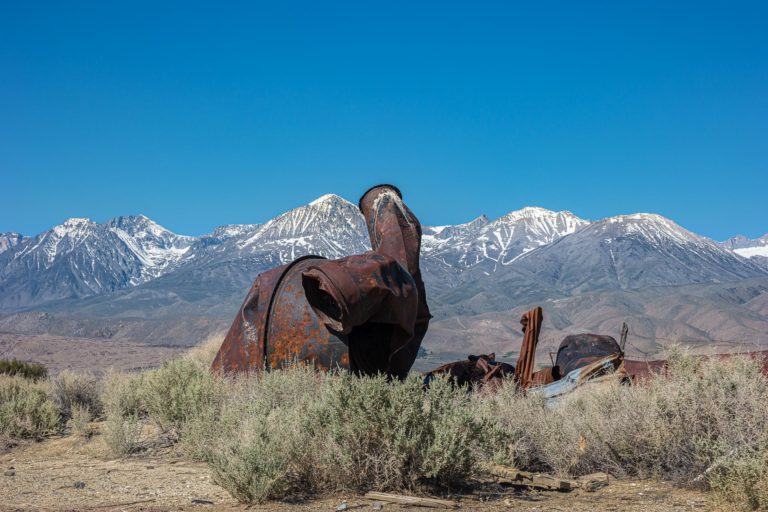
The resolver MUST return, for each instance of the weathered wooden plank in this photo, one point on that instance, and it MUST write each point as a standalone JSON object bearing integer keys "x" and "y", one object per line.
{"x": 410, "y": 500}
{"x": 514, "y": 476}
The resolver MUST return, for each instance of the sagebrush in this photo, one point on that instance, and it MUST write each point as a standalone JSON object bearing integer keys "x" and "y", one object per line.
{"x": 26, "y": 412}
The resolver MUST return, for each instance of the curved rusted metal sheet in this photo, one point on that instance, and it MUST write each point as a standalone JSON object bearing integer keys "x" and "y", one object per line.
{"x": 276, "y": 325}
{"x": 579, "y": 350}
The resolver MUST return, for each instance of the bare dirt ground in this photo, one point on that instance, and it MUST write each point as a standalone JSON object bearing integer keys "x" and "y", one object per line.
{"x": 71, "y": 474}
{"x": 84, "y": 354}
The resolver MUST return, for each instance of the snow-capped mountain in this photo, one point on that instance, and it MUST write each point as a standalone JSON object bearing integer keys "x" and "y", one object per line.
{"x": 156, "y": 247}
{"x": 329, "y": 226}
{"x": 9, "y": 240}
{"x": 743, "y": 246}
{"x": 74, "y": 259}
{"x": 634, "y": 251}
{"x": 537, "y": 248}
{"x": 488, "y": 246}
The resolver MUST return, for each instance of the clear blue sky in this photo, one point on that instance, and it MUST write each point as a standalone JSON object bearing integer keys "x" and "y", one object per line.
{"x": 200, "y": 114}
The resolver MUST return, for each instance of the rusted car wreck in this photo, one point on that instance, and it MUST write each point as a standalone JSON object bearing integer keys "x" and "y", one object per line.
{"x": 368, "y": 313}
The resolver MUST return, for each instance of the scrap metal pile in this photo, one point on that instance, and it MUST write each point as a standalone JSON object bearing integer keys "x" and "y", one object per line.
{"x": 368, "y": 313}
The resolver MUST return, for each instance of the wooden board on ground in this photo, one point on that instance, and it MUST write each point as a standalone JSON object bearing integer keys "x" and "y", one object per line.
{"x": 410, "y": 500}
{"x": 512, "y": 476}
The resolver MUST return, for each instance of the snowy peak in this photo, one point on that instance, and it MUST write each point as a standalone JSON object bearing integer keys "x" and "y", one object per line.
{"x": 451, "y": 231}
{"x": 9, "y": 240}
{"x": 330, "y": 200}
{"x": 156, "y": 246}
{"x": 228, "y": 231}
{"x": 488, "y": 246}
{"x": 650, "y": 226}
{"x": 746, "y": 247}
{"x": 75, "y": 228}
{"x": 330, "y": 223}
{"x": 543, "y": 225}
{"x": 634, "y": 251}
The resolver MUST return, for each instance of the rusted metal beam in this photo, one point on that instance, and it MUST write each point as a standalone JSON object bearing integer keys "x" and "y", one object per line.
{"x": 531, "y": 322}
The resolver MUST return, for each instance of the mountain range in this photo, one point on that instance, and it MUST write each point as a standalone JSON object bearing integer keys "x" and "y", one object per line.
{"x": 129, "y": 277}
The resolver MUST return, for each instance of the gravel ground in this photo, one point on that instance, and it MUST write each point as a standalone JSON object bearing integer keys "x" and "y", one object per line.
{"x": 69, "y": 474}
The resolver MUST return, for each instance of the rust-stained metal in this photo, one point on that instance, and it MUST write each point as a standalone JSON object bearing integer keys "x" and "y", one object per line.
{"x": 531, "y": 322}
{"x": 276, "y": 325}
{"x": 366, "y": 312}
{"x": 545, "y": 376}
{"x": 396, "y": 232}
{"x": 579, "y": 350}
{"x": 482, "y": 371}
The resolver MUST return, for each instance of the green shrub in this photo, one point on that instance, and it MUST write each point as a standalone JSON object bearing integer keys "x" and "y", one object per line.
{"x": 24, "y": 369}
{"x": 298, "y": 431}
{"x": 741, "y": 481}
{"x": 382, "y": 435}
{"x": 69, "y": 389}
{"x": 673, "y": 426}
{"x": 80, "y": 421}
{"x": 25, "y": 410}
{"x": 123, "y": 406}
{"x": 178, "y": 392}
{"x": 254, "y": 436}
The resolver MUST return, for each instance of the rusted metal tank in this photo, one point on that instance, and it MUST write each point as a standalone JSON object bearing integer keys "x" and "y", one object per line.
{"x": 366, "y": 312}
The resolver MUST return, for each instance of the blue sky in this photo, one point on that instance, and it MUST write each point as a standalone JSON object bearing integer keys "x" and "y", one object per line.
{"x": 201, "y": 114}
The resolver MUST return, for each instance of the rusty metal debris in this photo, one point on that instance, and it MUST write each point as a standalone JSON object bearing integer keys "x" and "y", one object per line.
{"x": 366, "y": 312}
{"x": 482, "y": 370}
{"x": 580, "y": 358}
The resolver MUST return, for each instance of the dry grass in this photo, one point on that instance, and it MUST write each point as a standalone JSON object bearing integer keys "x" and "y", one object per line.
{"x": 205, "y": 352}
{"x": 300, "y": 432}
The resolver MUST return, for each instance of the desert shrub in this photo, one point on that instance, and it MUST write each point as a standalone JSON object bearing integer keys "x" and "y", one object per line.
{"x": 25, "y": 410}
{"x": 255, "y": 438}
{"x": 376, "y": 434}
{"x": 69, "y": 389}
{"x": 24, "y": 369}
{"x": 740, "y": 481}
{"x": 123, "y": 407}
{"x": 298, "y": 431}
{"x": 80, "y": 420}
{"x": 674, "y": 426}
{"x": 178, "y": 392}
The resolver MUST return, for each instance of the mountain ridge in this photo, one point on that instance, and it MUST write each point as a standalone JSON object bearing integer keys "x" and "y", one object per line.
{"x": 131, "y": 275}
